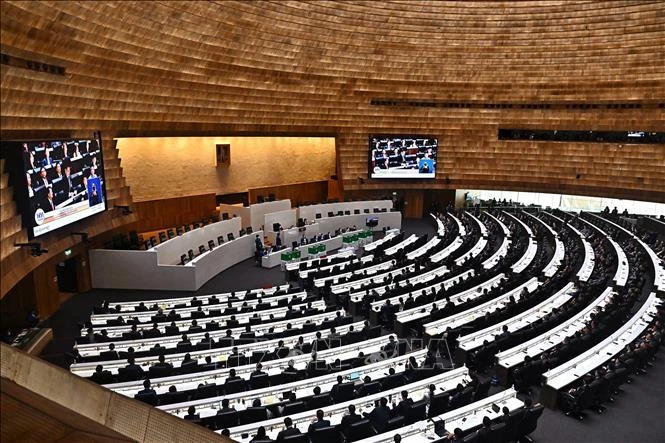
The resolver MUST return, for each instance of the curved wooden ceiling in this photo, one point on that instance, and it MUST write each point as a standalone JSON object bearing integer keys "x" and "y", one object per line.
{"x": 174, "y": 68}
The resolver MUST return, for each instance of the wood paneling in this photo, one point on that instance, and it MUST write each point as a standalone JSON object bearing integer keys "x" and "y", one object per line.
{"x": 312, "y": 69}
{"x": 166, "y": 167}
{"x": 170, "y": 212}
{"x": 42, "y": 402}
{"x": 299, "y": 193}
{"x": 413, "y": 203}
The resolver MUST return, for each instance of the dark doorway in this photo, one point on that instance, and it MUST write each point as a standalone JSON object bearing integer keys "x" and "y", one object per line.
{"x": 66, "y": 272}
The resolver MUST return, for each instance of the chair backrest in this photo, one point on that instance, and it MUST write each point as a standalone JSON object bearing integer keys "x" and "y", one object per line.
{"x": 226, "y": 419}
{"x": 206, "y": 391}
{"x": 293, "y": 408}
{"x": 531, "y": 420}
{"x": 173, "y": 397}
{"x": 497, "y": 433}
{"x": 234, "y": 386}
{"x": 252, "y": 415}
{"x": 329, "y": 434}
{"x": 236, "y": 360}
{"x": 395, "y": 423}
{"x": 392, "y": 381}
{"x": 417, "y": 411}
{"x": 318, "y": 401}
{"x": 359, "y": 430}
{"x": 149, "y": 398}
{"x": 297, "y": 438}
{"x": 439, "y": 404}
{"x": 260, "y": 381}
{"x": 373, "y": 387}
{"x": 344, "y": 392}
{"x": 259, "y": 356}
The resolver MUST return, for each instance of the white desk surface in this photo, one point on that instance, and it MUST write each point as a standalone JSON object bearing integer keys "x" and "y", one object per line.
{"x": 559, "y": 253}
{"x": 470, "y": 315}
{"x": 527, "y": 258}
{"x": 376, "y": 305}
{"x": 481, "y": 225}
{"x": 621, "y": 275}
{"x": 470, "y": 416}
{"x": 575, "y": 368}
{"x": 242, "y": 318}
{"x": 445, "y": 252}
{"x": 372, "y": 270}
{"x": 519, "y": 321}
{"x": 529, "y": 232}
{"x": 440, "y": 271}
{"x": 373, "y": 278}
{"x": 440, "y": 227}
{"x": 217, "y": 354}
{"x": 302, "y": 388}
{"x": 170, "y": 341}
{"x": 271, "y": 367}
{"x": 504, "y": 228}
{"x": 444, "y": 381}
{"x": 375, "y": 244}
{"x": 659, "y": 270}
{"x": 424, "y": 248}
{"x": 547, "y": 340}
{"x": 498, "y": 255}
{"x": 295, "y": 266}
{"x": 223, "y": 297}
{"x": 144, "y": 316}
{"x": 413, "y": 314}
{"x": 401, "y": 245}
{"x": 589, "y": 257}
{"x": 460, "y": 226}
{"x": 473, "y": 252}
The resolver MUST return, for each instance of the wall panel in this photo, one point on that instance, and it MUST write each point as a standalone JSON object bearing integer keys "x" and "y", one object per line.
{"x": 167, "y": 167}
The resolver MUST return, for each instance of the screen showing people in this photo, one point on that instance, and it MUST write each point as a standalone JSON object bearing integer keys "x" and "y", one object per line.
{"x": 402, "y": 157}
{"x": 64, "y": 182}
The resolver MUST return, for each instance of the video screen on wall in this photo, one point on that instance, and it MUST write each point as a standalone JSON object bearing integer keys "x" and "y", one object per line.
{"x": 401, "y": 156}
{"x": 62, "y": 182}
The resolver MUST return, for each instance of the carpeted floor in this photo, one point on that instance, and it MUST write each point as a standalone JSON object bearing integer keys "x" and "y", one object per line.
{"x": 637, "y": 416}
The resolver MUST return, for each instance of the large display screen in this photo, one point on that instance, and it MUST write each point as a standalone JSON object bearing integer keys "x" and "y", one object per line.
{"x": 63, "y": 182}
{"x": 402, "y": 156}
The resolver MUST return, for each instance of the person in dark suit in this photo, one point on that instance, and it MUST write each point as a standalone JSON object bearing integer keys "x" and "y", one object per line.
{"x": 192, "y": 415}
{"x": 391, "y": 347}
{"x": 50, "y": 204}
{"x": 260, "y": 435}
{"x": 134, "y": 369}
{"x": 232, "y": 376}
{"x": 334, "y": 391}
{"x": 404, "y": 405}
{"x": 257, "y": 371}
{"x": 318, "y": 423}
{"x": 225, "y": 407}
{"x": 348, "y": 419}
{"x": 288, "y": 429}
{"x": 101, "y": 376}
{"x": 161, "y": 364}
{"x": 380, "y": 415}
{"x": 146, "y": 388}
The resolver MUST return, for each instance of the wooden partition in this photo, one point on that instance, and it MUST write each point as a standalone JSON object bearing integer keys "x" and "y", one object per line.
{"x": 298, "y": 193}
{"x": 307, "y": 69}
{"x": 160, "y": 214}
{"x": 47, "y": 403}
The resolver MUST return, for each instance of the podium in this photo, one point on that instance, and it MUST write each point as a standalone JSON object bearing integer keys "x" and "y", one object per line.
{"x": 289, "y": 257}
